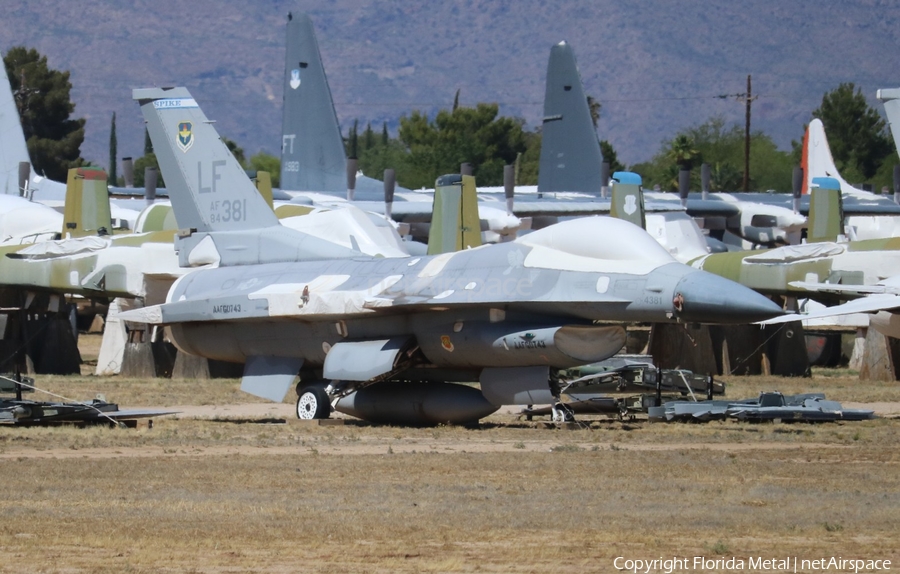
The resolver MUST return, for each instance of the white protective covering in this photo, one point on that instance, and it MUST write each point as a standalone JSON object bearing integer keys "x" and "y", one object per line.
{"x": 601, "y": 244}
{"x": 790, "y": 253}
{"x": 23, "y": 221}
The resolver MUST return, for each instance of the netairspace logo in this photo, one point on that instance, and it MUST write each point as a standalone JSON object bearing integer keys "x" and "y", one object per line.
{"x": 758, "y": 564}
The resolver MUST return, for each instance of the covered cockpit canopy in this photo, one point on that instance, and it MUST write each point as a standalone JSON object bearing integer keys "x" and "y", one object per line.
{"x": 602, "y": 244}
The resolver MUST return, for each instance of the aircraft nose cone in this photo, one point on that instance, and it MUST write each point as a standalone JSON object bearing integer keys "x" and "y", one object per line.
{"x": 707, "y": 298}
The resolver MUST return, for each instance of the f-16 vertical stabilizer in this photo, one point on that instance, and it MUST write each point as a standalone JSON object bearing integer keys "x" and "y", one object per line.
{"x": 221, "y": 216}
{"x": 570, "y": 153}
{"x": 312, "y": 149}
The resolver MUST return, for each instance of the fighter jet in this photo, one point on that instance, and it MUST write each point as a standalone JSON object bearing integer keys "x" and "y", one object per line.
{"x": 507, "y": 315}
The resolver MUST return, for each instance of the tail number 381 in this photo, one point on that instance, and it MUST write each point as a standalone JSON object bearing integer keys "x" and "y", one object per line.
{"x": 227, "y": 210}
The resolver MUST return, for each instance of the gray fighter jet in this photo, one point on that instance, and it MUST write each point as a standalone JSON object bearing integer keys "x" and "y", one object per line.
{"x": 508, "y": 316}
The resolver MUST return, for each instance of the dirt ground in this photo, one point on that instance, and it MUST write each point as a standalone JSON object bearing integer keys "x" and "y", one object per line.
{"x": 232, "y": 484}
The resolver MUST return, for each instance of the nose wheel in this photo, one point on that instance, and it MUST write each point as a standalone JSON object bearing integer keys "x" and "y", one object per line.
{"x": 562, "y": 413}
{"x": 313, "y": 403}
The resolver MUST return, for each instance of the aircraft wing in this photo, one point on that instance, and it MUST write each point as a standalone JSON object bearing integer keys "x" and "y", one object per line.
{"x": 869, "y": 304}
{"x": 293, "y": 303}
{"x": 849, "y": 290}
{"x": 852, "y": 205}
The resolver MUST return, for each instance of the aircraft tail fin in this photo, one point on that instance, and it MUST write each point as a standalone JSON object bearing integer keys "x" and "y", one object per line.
{"x": 222, "y": 218}
{"x": 263, "y": 182}
{"x": 817, "y": 161}
{"x": 312, "y": 152}
{"x": 13, "y": 149}
{"x": 627, "y": 198}
{"x": 216, "y": 194}
{"x": 455, "y": 224}
{"x": 826, "y": 210}
{"x": 570, "y": 152}
{"x": 890, "y": 98}
{"x": 87, "y": 203}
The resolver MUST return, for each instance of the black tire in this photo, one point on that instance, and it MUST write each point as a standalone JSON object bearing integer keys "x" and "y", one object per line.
{"x": 313, "y": 403}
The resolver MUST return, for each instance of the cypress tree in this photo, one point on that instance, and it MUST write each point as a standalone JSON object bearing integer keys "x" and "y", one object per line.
{"x": 113, "y": 152}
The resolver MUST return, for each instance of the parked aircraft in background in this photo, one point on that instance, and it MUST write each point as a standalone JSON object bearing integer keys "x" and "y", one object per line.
{"x": 285, "y": 303}
{"x": 819, "y": 162}
{"x": 785, "y": 270}
{"x": 13, "y": 150}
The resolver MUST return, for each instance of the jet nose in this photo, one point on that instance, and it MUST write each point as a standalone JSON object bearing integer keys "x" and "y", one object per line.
{"x": 707, "y": 298}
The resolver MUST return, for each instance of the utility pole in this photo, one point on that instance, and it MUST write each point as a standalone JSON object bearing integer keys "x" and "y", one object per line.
{"x": 747, "y": 97}
{"x": 749, "y": 100}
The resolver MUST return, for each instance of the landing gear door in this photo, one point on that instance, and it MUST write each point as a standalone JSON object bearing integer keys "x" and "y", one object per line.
{"x": 270, "y": 377}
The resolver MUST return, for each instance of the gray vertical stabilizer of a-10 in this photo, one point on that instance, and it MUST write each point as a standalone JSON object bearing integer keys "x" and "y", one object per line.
{"x": 222, "y": 218}
{"x": 570, "y": 152}
{"x": 13, "y": 149}
{"x": 312, "y": 152}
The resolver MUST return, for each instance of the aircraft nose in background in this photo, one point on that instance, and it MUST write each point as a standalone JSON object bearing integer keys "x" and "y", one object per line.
{"x": 707, "y": 298}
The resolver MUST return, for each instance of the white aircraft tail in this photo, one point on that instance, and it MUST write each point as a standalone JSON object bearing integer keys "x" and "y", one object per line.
{"x": 890, "y": 98}
{"x": 13, "y": 149}
{"x": 818, "y": 162}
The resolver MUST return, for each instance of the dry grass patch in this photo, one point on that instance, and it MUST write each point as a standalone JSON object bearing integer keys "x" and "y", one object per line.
{"x": 226, "y": 496}
{"x": 526, "y": 511}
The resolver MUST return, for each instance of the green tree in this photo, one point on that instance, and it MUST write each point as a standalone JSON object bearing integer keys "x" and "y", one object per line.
{"x": 722, "y": 147}
{"x": 236, "y": 151}
{"x": 528, "y": 162}
{"x": 857, "y": 135}
{"x": 475, "y": 135}
{"x": 368, "y": 137}
{"x": 352, "y": 147}
{"x": 682, "y": 152}
{"x": 266, "y": 162}
{"x": 142, "y": 163}
{"x": 374, "y": 160}
{"x": 42, "y": 98}
{"x": 148, "y": 143}
{"x": 610, "y": 156}
{"x": 594, "y": 106}
{"x": 113, "y": 151}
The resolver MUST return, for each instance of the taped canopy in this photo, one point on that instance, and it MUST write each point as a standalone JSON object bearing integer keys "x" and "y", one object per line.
{"x": 365, "y": 360}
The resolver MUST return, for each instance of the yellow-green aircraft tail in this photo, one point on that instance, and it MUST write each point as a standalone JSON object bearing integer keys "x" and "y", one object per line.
{"x": 454, "y": 221}
{"x": 627, "y": 198}
{"x": 87, "y": 203}
{"x": 826, "y": 211}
